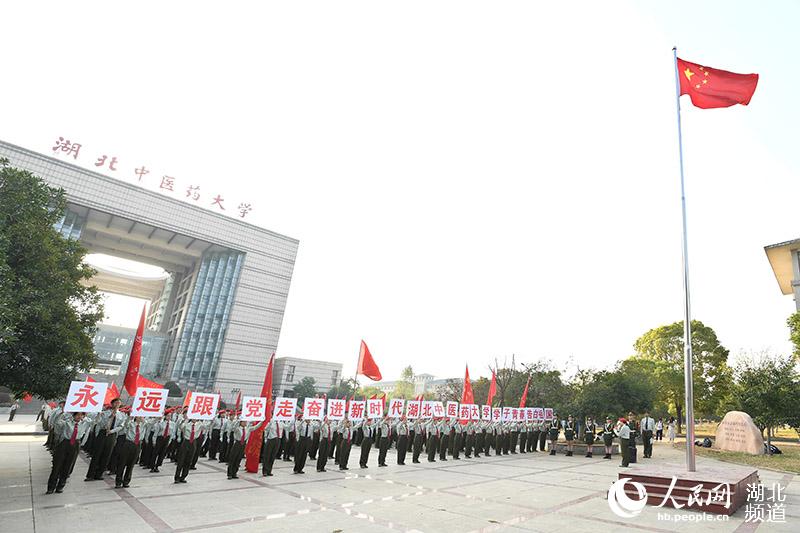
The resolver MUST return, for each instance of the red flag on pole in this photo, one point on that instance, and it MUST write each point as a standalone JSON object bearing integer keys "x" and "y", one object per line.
{"x": 366, "y": 364}
{"x": 253, "y": 448}
{"x": 492, "y": 389}
{"x": 112, "y": 392}
{"x": 525, "y": 393}
{"x": 136, "y": 357}
{"x": 187, "y": 399}
{"x": 238, "y": 401}
{"x": 710, "y": 88}
{"x": 466, "y": 395}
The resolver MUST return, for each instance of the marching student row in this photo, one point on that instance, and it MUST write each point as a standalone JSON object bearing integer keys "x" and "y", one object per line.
{"x": 117, "y": 442}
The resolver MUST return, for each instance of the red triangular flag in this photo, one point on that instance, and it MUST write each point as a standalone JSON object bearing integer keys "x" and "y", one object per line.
{"x": 142, "y": 381}
{"x": 711, "y": 88}
{"x": 525, "y": 393}
{"x": 112, "y": 392}
{"x": 366, "y": 364}
{"x": 492, "y": 389}
{"x": 136, "y": 357}
{"x": 466, "y": 394}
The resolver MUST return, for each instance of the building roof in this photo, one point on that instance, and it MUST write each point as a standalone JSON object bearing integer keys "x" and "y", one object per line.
{"x": 780, "y": 259}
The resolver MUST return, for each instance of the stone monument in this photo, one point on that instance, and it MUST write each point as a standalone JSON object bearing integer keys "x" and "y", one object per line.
{"x": 738, "y": 433}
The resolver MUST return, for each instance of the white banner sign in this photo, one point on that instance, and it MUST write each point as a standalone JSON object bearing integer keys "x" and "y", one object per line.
{"x": 486, "y": 412}
{"x": 203, "y": 406}
{"x": 313, "y": 409}
{"x": 463, "y": 411}
{"x": 538, "y": 413}
{"x": 427, "y": 409}
{"x": 336, "y": 409}
{"x": 254, "y": 409}
{"x": 396, "y": 406}
{"x": 548, "y": 413}
{"x": 375, "y": 408}
{"x": 85, "y": 397}
{"x": 356, "y": 410}
{"x": 149, "y": 402}
{"x": 497, "y": 414}
{"x": 452, "y": 409}
{"x": 285, "y": 409}
{"x": 413, "y": 408}
{"x": 438, "y": 410}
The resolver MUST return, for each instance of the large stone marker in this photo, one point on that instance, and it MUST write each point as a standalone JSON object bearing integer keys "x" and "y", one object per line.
{"x": 738, "y": 433}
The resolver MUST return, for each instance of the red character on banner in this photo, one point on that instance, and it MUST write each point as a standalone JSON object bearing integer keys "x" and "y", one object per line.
{"x": 70, "y": 148}
{"x": 356, "y": 410}
{"x": 218, "y": 201}
{"x": 102, "y": 161}
{"x": 150, "y": 401}
{"x": 314, "y": 408}
{"x": 244, "y": 209}
{"x": 141, "y": 172}
{"x": 204, "y": 405}
{"x": 486, "y": 412}
{"x": 452, "y": 409}
{"x": 193, "y": 192}
{"x": 413, "y": 410}
{"x": 336, "y": 409}
{"x": 167, "y": 182}
{"x": 463, "y": 412}
{"x": 254, "y": 408}
{"x": 375, "y": 409}
{"x": 85, "y": 396}
{"x": 427, "y": 412}
{"x": 284, "y": 409}
{"x": 438, "y": 410}
{"x": 474, "y": 412}
{"x": 396, "y": 408}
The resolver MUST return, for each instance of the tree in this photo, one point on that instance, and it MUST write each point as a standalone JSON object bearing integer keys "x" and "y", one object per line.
{"x": 305, "y": 388}
{"x": 48, "y": 317}
{"x": 794, "y": 333}
{"x": 710, "y": 372}
{"x": 768, "y": 389}
{"x": 405, "y": 387}
{"x": 451, "y": 391}
{"x": 345, "y": 389}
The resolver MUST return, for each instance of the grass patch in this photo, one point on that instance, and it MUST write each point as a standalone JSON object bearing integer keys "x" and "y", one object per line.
{"x": 788, "y": 461}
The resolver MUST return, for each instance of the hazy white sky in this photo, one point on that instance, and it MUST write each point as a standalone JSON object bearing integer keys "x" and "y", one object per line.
{"x": 467, "y": 179}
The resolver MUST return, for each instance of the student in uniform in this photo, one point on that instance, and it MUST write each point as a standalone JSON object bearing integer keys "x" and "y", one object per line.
{"x": 236, "y": 444}
{"x": 488, "y": 437}
{"x": 304, "y": 430}
{"x": 569, "y": 435}
{"x": 608, "y": 437}
{"x": 523, "y": 436}
{"x": 187, "y": 434}
{"x": 444, "y": 438}
{"x": 346, "y": 442}
{"x": 326, "y": 438}
{"x": 273, "y": 434}
{"x": 480, "y": 437}
{"x": 368, "y": 437}
{"x": 432, "y": 440}
{"x": 457, "y": 438}
{"x": 385, "y": 428}
{"x": 133, "y": 433}
{"x": 469, "y": 439}
{"x": 533, "y": 439}
{"x": 163, "y": 434}
{"x": 632, "y": 456}
{"x": 543, "y": 429}
{"x": 107, "y": 425}
{"x": 554, "y": 430}
{"x": 513, "y": 436}
{"x": 589, "y": 430}
{"x": 419, "y": 429}
{"x": 216, "y": 430}
{"x": 623, "y": 431}
{"x": 52, "y": 419}
{"x": 531, "y": 442}
{"x": 68, "y": 432}
{"x": 401, "y": 429}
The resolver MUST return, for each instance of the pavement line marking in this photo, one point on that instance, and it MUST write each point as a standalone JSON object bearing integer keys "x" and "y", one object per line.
{"x": 30, "y": 477}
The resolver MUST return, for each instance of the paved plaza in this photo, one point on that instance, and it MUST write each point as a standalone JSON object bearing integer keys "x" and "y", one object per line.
{"x": 530, "y": 492}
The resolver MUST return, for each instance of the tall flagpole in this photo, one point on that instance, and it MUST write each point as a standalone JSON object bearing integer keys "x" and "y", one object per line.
{"x": 687, "y": 308}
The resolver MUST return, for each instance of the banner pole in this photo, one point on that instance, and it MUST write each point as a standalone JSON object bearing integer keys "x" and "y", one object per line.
{"x": 687, "y": 314}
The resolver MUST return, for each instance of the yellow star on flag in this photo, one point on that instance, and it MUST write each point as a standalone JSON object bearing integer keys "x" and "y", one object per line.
{"x": 688, "y": 73}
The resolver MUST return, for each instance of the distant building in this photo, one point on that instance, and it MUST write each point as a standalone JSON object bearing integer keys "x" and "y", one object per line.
{"x": 112, "y": 345}
{"x": 784, "y": 258}
{"x": 423, "y": 384}
{"x": 289, "y": 371}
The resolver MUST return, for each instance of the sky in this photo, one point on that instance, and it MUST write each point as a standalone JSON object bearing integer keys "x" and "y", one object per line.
{"x": 468, "y": 180}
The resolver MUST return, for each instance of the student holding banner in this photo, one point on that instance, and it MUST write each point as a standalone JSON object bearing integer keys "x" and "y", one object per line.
{"x": 419, "y": 430}
{"x": 163, "y": 434}
{"x": 304, "y": 431}
{"x": 401, "y": 428}
{"x": 385, "y": 428}
{"x": 444, "y": 438}
{"x": 238, "y": 437}
{"x": 533, "y": 437}
{"x": 273, "y": 435}
{"x": 134, "y": 432}
{"x": 216, "y": 431}
{"x": 326, "y": 437}
{"x": 108, "y": 425}
{"x": 368, "y": 436}
{"x": 432, "y": 434}
{"x": 347, "y": 433}
{"x": 523, "y": 436}
{"x": 543, "y": 429}
{"x": 68, "y": 433}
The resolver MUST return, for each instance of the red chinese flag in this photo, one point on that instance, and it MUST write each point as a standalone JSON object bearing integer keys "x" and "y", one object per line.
{"x": 142, "y": 381}
{"x": 112, "y": 392}
{"x": 366, "y": 364}
{"x": 710, "y": 88}
{"x": 525, "y": 393}
{"x": 252, "y": 450}
{"x": 492, "y": 389}
{"x": 136, "y": 358}
{"x": 466, "y": 395}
